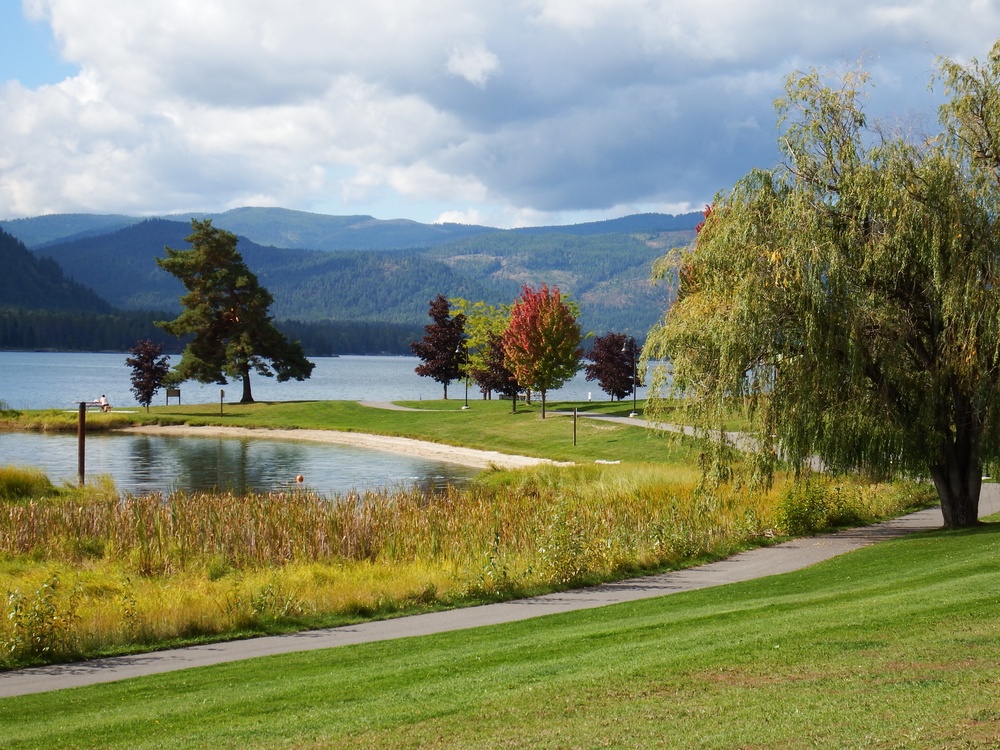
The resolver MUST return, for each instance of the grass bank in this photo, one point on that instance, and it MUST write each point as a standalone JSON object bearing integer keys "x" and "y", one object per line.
{"x": 892, "y": 646}
{"x": 89, "y": 573}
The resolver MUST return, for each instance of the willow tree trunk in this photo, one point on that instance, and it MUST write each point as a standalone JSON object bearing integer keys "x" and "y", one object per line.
{"x": 958, "y": 480}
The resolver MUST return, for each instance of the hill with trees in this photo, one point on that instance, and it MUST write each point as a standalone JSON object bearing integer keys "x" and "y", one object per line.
{"x": 32, "y": 283}
{"x": 354, "y": 279}
{"x": 607, "y": 274}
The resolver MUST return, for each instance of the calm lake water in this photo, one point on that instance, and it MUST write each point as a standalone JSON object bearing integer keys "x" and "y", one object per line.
{"x": 42, "y": 380}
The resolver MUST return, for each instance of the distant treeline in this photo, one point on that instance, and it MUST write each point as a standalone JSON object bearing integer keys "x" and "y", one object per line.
{"x": 34, "y": 330}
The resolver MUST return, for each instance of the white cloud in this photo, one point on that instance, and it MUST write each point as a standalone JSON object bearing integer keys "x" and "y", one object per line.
{"x": 474, "y": 63}
{"x": 523, "y": 112}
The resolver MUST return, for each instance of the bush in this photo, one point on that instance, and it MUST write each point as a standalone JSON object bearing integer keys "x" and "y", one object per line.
{"x": 821, "y": 504}
{"x": 41, "y": 624}
{"x": 23, "y": 483}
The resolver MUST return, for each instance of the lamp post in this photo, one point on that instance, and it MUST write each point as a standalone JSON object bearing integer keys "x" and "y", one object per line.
{"x": 635, "y": 372}
{"x": 459, "y": 351}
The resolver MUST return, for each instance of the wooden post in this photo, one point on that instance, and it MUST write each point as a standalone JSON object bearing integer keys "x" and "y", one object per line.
{"x": 222, "y": 396}
{"x": 574, "y": 425}
{"x": 81, "y": 442}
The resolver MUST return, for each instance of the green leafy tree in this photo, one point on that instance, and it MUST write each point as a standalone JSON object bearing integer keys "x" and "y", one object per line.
{"x": 150, "y": 367}
{"x": 442, "y": 349}
{"x": 847, "y": 303}
{"x": 542, "y": 340}
{"x": 484, "y": 327}
{"x": 492, "y": 374}
{"x": 226, "y": 311}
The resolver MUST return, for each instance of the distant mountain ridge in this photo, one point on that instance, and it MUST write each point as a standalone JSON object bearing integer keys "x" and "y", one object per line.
{"x": 604, "y": 266}
{"x": 286, "y": 228}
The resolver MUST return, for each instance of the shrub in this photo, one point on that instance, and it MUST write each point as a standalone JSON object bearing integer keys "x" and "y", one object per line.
{"x": 821, "y": 503}
{"x": 24, "y": 483}
{"x": 41, "y": 624}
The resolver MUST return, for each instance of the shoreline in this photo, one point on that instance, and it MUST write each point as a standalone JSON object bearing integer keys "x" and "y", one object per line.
{"x": 471, "y": 457}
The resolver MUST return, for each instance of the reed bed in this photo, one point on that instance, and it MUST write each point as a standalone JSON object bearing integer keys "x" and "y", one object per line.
{"x": 103, "y": 573}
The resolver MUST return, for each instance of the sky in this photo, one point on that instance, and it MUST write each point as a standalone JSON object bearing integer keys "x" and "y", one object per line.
{"x": 512, "y": 113}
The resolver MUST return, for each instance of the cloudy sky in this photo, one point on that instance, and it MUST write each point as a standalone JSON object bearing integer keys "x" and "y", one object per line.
{"x": 508, "y": 113}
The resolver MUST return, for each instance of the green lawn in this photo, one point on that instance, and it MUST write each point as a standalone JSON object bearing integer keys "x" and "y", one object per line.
{"x": 893, "y": 646}
{"x": 487, "y": 425}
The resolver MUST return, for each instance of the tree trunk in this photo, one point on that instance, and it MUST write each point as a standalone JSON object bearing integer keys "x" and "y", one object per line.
{"x": 247, "y": 395}
{"x": 958, "y": 484}
{"x": 543, "y": 404}
{"x": 958, "y": 475}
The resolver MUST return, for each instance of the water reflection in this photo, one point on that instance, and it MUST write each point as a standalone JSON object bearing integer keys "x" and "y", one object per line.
{"x": 152, "y": 463}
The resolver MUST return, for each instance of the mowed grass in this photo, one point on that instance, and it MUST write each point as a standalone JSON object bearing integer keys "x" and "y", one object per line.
{"x": 486, "y": 425}
{"x": 892, "y": 646}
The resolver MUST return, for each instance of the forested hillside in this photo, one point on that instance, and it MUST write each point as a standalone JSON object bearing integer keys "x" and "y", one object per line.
{"x": 385, "y": 286}
{"x": 608, "y": 275}
{"x": 95, "y": 290}
{"x": 34, "y": 283}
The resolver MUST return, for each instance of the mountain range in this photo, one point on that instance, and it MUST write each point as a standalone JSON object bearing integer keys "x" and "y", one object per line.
{"x": 357, "y": 268}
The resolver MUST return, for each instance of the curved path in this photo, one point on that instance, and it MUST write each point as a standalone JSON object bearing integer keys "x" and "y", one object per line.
{"x": 758, "y": 563}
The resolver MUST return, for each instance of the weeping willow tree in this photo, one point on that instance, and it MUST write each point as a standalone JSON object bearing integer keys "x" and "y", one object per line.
{"x": 846, "y": 302}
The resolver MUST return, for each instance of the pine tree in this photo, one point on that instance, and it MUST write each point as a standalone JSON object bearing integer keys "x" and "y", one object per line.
{"x": 226, "y": 311}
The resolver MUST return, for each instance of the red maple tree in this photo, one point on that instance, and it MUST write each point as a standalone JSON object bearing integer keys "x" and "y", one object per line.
{"x": 542, "y": 341}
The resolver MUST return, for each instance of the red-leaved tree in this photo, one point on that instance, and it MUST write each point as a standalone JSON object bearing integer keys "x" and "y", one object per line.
{"x": 542, "y": 341}
{"x": 149, "y": 369}
{"x": 442, "y": 348}
{"x": 614, "y": 356}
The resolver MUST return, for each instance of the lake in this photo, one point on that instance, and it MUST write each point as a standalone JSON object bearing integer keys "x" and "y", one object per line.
{"x": 42, "y": 380}
{"x": 56, "y": 380}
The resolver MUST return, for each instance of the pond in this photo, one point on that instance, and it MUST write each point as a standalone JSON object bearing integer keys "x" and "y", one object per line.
{"x": 151, "y": 463}
{"x": 43, "y": 380}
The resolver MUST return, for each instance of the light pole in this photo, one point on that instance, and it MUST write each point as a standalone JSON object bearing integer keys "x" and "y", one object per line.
{"x": 459, "y": 351}
{"x": 635, "y": 369}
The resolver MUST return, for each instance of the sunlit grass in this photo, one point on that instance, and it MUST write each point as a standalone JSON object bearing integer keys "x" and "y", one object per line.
{"x": 90, "y": 572}
{"x": 23, "y": 482}
{"x": 892, "y": 646}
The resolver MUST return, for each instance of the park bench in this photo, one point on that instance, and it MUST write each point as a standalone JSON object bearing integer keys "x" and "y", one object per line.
{"x": 96, "y": 405}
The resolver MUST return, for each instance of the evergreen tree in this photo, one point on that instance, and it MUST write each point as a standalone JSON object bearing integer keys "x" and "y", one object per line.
{"x": 442, "y": 348}
{"x": 227, "y": 312}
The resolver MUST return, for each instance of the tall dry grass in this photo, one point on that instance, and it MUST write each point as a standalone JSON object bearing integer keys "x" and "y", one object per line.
{"x": 98, "y": 572}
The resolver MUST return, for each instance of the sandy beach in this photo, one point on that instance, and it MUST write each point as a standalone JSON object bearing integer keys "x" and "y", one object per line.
{"x": 403, "y": 446}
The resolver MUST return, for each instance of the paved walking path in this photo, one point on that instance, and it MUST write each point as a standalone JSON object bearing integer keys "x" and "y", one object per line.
{"x": 758, "y": 563}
